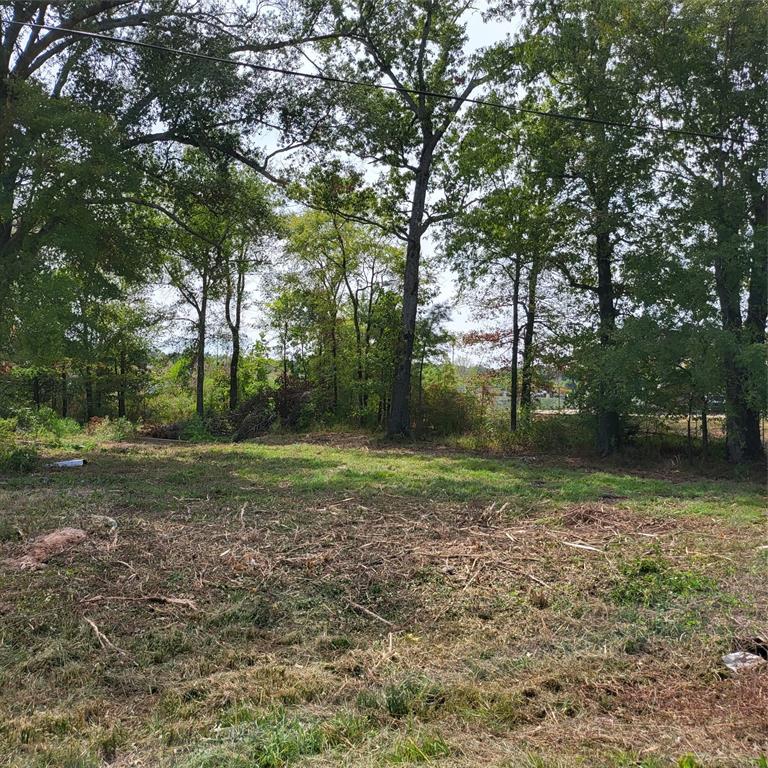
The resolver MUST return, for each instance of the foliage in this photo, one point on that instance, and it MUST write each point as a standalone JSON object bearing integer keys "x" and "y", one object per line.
{"x": 445, "y": 409}
{"x": 629, "y": 261}
{"x": 17, "y": 458}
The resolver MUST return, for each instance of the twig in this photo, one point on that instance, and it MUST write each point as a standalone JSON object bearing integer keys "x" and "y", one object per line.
{"x": 538, "y": 580}
{"x": 183, "y": 601}
{"x": 582, "y": 546}
{"x": 104, "y": 641}
{"x": 370, "y": 613}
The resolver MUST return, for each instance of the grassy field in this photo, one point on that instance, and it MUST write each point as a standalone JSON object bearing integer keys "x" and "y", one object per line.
{"x": 340, "y": 603}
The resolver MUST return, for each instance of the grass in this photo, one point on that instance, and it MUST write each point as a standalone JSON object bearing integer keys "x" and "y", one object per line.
{"x": 344, "y": 603}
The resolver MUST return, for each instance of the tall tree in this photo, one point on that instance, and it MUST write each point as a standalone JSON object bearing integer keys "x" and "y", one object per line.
{"x": 418, "y": 50}
{"x": 500, "y": 237}
{"x": 200, "y": 231}
{"x": 578, "y": 58}
{"x": 711, "y": 77}
{"x": 255, "y": 222}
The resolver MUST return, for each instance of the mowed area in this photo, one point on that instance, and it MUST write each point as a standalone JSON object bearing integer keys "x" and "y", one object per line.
{"x": 343, "y": 603}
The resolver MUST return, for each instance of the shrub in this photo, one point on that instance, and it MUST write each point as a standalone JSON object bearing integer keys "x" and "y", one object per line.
{"x": 105, "y": 428}
{"x": 17, "y": 459}
{"x": 446, "y": 411}
{"x": 44, "y": 422}
{"x": 544, "y": 434}
{"x": 195, "y": 431}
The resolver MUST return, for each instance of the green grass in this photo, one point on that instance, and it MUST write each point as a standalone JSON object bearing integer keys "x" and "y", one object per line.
{"x": 274, "y": 740}
{"x": 305, "y": 470}
{"x": 419, "y": 749}
{"x": 650, "y": 581}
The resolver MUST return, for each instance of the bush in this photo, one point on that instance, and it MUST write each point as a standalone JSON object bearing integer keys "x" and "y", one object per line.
{"x": 45, "y": 423}
{"x": 17, "y": 459}
{"x": 104, "y": 428}
{"x": 446, "y": 411}
{"x": 544, "y": 434}
{"x": 255, "y": 415}
{"x": 195, "y": 431}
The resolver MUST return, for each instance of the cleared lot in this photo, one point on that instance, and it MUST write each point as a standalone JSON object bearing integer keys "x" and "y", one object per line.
{"x": 350, "y": 605}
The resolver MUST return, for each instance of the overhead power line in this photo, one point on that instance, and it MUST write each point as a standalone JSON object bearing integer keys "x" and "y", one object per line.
{"x": 640, "y": 127}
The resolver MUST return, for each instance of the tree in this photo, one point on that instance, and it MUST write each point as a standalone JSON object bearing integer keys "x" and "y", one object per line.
{"x": 339, "y": 271}
{"x": 57, "y": 155}
{"x": 710, "y": 77}
{"x": 418, "y": 50}
{"x": 500, "y": 243}
{"x": 578, "y": 58}
{"x": 255, "y": 223}
{"x": 200, "y": 231}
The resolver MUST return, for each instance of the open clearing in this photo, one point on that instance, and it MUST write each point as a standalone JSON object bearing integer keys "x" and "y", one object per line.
{"x": 347, "y": 604}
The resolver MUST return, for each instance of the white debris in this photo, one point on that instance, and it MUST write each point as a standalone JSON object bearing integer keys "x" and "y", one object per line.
{"x": 741, "y": 660}
{"x": 67, "y": 463}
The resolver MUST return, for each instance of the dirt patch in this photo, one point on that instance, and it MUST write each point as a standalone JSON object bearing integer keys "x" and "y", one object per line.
{"x": 43, "y": 548}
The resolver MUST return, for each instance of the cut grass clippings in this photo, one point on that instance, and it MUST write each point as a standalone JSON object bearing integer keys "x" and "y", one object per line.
{"x": 355, "y": 605}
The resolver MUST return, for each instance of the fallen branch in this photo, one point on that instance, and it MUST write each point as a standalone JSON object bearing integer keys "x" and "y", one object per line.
{"x": 369, "y": 612}
{"x": 104, "y": 641}
{"x": 182, "y": 601}
{"x": 582, "y": 546}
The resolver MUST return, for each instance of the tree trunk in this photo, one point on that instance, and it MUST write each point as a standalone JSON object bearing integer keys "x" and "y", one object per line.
{"x": 355, "y": 302}
{"x": 515, "y": 347}
{"x": 199, "y": 393}
{"x": 234, "y": 368}
{"x": 757, "y": 306}
{"x": 421, "y": 391}
{"x": 122, "y": 384}
{"x": 399, "y": 422}
{"x": 285, "y": 371}
{"x": 689, "y": 441}
{"x": 36, "y": 392}
{"x": 742, "y": 423}
{"x": 608, "y": 434}
{"x": 64, "y": 398}
{"x": 334, "y": 368}
{"x": 704, "y": 428}
{"x": 526, "y": 385}
{"x": 88, "y": 395}
{"x": 234, "y": 329}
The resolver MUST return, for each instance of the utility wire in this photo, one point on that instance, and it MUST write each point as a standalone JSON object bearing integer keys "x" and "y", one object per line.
{"x": 362, "y": 84}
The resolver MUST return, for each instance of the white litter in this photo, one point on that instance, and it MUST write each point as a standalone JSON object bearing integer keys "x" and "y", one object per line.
{"x": 741, "y": 660}
{"x": 66, "y": 464}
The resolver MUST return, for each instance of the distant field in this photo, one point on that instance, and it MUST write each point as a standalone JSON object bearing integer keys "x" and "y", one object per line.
{"x": 340, "y": 603}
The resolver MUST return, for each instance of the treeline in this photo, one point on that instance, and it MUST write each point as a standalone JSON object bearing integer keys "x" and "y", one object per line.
{"x": 596, "y": 181}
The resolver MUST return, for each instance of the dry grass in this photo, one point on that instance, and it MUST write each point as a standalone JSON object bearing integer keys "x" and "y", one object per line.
{"x": 247, "y": 612}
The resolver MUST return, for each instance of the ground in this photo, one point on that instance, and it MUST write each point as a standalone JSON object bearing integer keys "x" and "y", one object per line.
{"x": 345, "y": 603}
